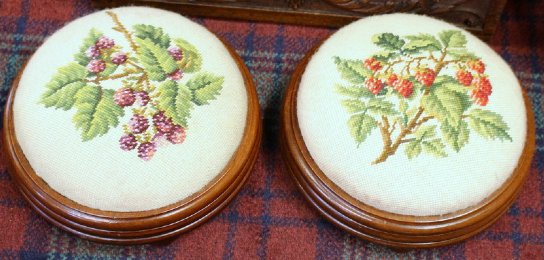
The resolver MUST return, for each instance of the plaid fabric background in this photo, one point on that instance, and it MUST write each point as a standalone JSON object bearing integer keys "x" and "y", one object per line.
{"x": 269, "y": 218}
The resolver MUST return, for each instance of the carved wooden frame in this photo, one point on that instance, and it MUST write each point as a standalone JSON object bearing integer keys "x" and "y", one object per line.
{"x": 478, "y": 16}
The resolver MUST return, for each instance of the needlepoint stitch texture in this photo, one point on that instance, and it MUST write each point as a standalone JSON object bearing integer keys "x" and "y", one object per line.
{"x": 144, "y": 113}
{"x": 422, "y": 119}
{"x": 269, "y": 218}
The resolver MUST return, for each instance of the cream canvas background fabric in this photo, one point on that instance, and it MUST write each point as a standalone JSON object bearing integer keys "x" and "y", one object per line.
{"x": 97, "y": 173}
{"x": 424, "y": 185}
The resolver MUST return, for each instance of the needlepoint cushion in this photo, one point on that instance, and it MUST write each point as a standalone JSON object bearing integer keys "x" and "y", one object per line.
{"x": 405, "y": 115}
{"x": 135, "y": 110}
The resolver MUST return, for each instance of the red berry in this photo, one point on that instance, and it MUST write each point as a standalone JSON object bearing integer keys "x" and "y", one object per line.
{"x": 477, "y": 65}
{"x": 175, "y": 52}
{"x": 147, "y": 150}
{"x": 464, "y": 77}
{"x": 392, "y": 79}
{"x": 128, "y": 142}
{"x": 177, "y": 135}
{"x": 105, "y": 43}
{"x": 404, "y": 87}
{"x": 142, "y": 98}
{"x": 374, "y": 85}
{"x": 124, "y": 97}
{"x": 482, "y": 90}
{"x": 138, "y": 124}
{"x": 176, "y": 75}
{"x": 373, "y": 64}
{"x": 96, "y": 66}
{"x": 426, "y": 77}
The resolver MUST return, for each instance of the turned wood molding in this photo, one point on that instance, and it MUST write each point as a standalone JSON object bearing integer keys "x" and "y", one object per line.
{"x": 478, "y": 16}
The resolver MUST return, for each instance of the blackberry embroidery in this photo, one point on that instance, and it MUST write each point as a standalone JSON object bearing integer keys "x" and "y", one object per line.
{"x": 406, "y": 92}
{"x": 157, "y": 77}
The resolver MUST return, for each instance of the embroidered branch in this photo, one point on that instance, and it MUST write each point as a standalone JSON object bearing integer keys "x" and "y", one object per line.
{"x": 149, "y": 77}
{"x": 407, "y": 84}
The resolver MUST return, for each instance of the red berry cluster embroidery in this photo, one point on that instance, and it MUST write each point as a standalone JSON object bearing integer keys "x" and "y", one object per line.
{"x": 373, "y": 64}
{"x": 409, "y": 92}
{"x": 479, "y": 82}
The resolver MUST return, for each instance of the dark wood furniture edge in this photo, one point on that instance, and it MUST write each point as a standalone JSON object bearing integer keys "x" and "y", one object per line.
{"x": 144, "y": 226}
{"x": 297, "y": 16}
{"x": 381, "y": 227}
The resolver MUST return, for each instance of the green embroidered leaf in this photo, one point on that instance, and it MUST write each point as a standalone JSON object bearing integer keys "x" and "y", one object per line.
{"x": 175, "y": 100}
{"x": 385, "y": 56}
{"x": 413, "y": 149}
{"x": 489, "y": 124}
{"x": 380, "y": 106}
{"x": 156, "y": 60}
{"x": 456, "y": 137}
{"x": 446, "y": 101}
{"x": 61, "y": 90}
{"x": 354, "y": 105}
{"x": 352, "y": 70}
{"x": 155, "y": 34}
{"x": 425, "y": 132}
{"x": 191, "y": 61}
{"x": 89, "y": 41}
{"x": 434, "y": 147}
{"x": 360, "y": 126}
{"x": 96, "y": 112}
{"x": 353, "y": 91}
{"x": 422, "y": 42}
{"x": 453, "y": 39}
{"x": 388, "y": 41}
{"x": 462, "y": 54}
{"x": 205, "y": 87}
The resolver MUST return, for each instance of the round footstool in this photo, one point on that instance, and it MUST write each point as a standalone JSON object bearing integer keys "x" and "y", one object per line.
{"x": 407, "y": 131}
{"x": 131, "y": 125}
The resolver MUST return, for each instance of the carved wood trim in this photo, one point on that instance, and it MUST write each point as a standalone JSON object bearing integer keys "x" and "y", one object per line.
{"x": 478, "y": 16}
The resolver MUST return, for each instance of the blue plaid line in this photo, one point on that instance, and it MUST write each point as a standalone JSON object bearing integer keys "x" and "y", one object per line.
{"x": 12, "y": 65}
{"x": 270, "y": 144}
{"x": 274, "y": 221}
{"x": 232, "y": 215}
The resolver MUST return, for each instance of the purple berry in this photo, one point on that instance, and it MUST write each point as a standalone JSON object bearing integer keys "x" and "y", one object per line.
{"x": 96, "y": 66}
{"x": 142, "y": 98}
{"x": 175, "y": 52}
{"x": 119, "y": 58}
{"x": 162, "y": 122}
{"x": 92, "y": 52}
{"x": 124, "y": 97}
{"x": 138, "y": 124}
{"x": 176, "y": 75}
{"x": 177, "y": 135}
{"x": 105, "y": 43}
{"x": 147, "y": 150}
{"x": 128, "y": 142}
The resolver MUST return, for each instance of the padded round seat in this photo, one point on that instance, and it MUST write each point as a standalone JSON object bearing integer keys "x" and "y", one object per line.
{"x": 131, "y": 125}
{"x": 407, "y": 131}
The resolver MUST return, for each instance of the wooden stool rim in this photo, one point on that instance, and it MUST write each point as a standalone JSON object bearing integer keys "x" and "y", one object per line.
{"x": 375, "y": 225}
{"x": 141, "y": 226}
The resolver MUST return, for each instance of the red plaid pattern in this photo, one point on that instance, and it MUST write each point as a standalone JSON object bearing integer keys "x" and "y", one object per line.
{"x": 269, "y": 219}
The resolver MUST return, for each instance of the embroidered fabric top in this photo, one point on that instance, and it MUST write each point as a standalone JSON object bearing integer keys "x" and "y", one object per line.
{"x": 130, "y": 109}
{"x": 417, "y": 118}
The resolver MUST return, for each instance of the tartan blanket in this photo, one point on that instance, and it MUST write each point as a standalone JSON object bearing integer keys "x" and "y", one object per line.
{"x": 269, "y": 218}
